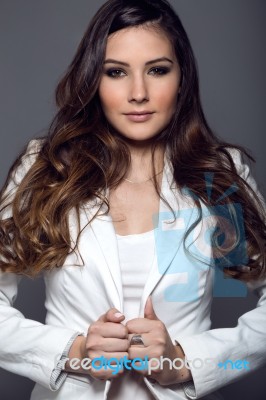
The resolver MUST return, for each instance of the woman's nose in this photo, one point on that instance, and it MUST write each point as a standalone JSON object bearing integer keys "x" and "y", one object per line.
{"x": 138, "y": 90}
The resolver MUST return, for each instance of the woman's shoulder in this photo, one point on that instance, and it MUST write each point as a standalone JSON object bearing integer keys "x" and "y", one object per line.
{"x": 26, "y": 160}
{"x": 244, "y": 170}
{"x": 33, "y": 148}
{"x": 240, "y": 162}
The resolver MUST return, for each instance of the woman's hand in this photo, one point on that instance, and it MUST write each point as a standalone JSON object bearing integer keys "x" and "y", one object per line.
{"x": 106, "y": 337}
{"x": 157, "y": 343}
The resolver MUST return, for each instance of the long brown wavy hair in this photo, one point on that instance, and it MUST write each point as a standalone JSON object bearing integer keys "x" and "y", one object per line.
{"x": 82, "y": 156}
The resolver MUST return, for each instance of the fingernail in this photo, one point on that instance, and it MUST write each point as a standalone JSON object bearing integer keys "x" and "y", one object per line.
{"x": 118, "y": 315}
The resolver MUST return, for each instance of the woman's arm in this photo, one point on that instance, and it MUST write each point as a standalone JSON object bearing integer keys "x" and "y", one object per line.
{"x": 245, "y": 342}
{"x": 28, "y": 347}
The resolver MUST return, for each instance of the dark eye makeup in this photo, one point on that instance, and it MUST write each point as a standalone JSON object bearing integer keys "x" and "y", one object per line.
{"x": 114, "y": 72}
{"x": 159, "y": 70}
{"x": 118, "y": 73}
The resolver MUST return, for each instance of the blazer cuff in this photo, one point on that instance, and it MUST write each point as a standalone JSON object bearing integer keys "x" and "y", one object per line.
{"x": 208, "y": 377}
{"x": 58, "y": 376}
{"x": 189, "y": 389}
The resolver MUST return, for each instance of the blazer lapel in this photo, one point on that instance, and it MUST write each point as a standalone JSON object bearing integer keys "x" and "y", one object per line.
{"x": 165, "y": 249}
{"x": 103, "y": 232}
{"x": 168, "y": 236}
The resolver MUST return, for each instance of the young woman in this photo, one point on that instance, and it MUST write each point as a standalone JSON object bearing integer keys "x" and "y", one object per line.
{"x": 134, "y": 212}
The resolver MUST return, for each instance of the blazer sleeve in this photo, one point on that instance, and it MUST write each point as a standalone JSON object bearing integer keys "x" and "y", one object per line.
{"x": 28, "y": 347}
{"x": 246, "y": 341}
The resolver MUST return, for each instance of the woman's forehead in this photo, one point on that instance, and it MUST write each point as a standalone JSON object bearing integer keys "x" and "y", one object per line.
{"x": 145, "y": 41}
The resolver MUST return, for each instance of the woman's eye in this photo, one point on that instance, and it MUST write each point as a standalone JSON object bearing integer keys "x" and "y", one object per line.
{"x": 159, "y": 71}
{"x": 115, "y": 73}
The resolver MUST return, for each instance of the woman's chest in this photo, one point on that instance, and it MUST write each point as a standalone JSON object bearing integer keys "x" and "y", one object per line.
{"x": 134, "y": 209}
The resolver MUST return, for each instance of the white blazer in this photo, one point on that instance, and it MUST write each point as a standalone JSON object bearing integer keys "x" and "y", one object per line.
{"x": 89, "y": 283}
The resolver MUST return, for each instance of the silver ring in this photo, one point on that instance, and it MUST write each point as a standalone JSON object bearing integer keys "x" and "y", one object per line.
{"x": 136, "y": 340}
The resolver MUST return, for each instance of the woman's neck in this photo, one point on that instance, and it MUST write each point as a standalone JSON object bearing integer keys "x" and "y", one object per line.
{"x": 141, "y": 163}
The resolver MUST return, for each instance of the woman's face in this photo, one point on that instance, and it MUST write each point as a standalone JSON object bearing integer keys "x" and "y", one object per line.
{"x": 140, "y": 82}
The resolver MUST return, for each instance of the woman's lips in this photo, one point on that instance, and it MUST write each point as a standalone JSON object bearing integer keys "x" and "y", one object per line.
{"x": 139, "y": 117}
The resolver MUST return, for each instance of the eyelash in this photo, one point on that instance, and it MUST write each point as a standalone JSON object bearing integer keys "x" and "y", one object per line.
{"x": 118, "y": 73}
{"x": 160, "y": 70}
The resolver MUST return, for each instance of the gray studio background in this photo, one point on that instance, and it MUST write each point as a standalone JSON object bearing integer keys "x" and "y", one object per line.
{"x": 38, "y": 40}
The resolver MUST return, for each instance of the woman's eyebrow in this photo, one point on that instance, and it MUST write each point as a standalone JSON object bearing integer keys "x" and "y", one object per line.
{"x": 112, "y": 61}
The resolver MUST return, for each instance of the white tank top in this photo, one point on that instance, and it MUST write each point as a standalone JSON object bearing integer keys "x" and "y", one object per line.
{"x": 136, "y": 255}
